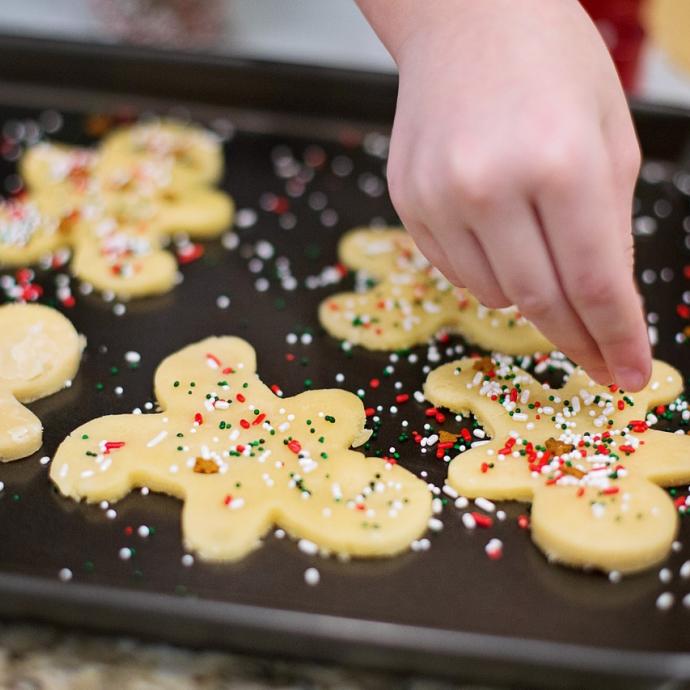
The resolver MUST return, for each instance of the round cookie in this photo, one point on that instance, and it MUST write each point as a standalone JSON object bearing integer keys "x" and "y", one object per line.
{"x": 194, "y": 153}
{"x": 39, "y": 354}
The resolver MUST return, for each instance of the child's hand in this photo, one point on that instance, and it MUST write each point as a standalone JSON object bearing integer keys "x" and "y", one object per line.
{"x": 513, "y": 161}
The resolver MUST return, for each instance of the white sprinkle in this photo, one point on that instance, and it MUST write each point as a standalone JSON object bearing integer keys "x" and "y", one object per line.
{"x": 435, "y": 525}
{"x": 125, "y": 553}
{"x": 494, "y": 547}
{"x": 279, "y": 534}
{"x": 686, "y": 601}
{"x": 65, "y": 574}
{"x": 485, "y": 504}
{"x": 450, "y": 491}
{"x": 308, "y": 547}
{"x": 157, "y": 439}
{"x": 132, "y": 357}
{"x": 615, "y": 577}
{"x": 2, "y": 486}
{"x": 143, "y": 531}
{"x": 461, "y": 502}
{"x": 44, "y": 460}
{"x": 222, "y": 301}
{"x": 665, "y": 601}
{"x": 469, "y": 521}
{"x": 111, "y": 514}
{"x": 420, "y": 545}
{"x": 665, "y": 575}
{"x": 685, "y": 570}
{"x": 312, "y": 576}
{"x": 187, "y": 560}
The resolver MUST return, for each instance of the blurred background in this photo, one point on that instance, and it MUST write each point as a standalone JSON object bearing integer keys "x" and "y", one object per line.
{"x": 649, "y": 39}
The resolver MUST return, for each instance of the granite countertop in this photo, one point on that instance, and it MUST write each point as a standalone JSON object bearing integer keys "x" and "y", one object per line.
{"x": 44, "y": 658}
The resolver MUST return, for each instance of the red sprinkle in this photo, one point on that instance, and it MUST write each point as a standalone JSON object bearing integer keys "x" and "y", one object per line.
{"x": 113, "y": 445}
{"x": 402, "y": 398}
{"x": 213, "y": 358}
{"x": 295, "y": 446}
{"x": 198, "y": 418}
{"x": 189, "y": 253}
{"x": 483, "y": 520}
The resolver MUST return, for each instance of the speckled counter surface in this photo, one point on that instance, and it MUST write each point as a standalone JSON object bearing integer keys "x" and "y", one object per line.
{"x": 42, "y": 658}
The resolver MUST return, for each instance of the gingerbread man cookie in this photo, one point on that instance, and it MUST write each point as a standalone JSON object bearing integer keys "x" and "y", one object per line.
{"x": 242, "y": 459}
{"x": 118, "y": 205}
{"x": 39, "y": 355}
{"x": 582, "y": 454}
{"x": 412, "y": 301}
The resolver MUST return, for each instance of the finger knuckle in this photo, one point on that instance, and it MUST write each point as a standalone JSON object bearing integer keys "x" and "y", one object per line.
{"x": 556, "y": 165}
{"x": 588, "y": 289}
{"x": 474, "y": 181}
{"x": 534, "y": 303}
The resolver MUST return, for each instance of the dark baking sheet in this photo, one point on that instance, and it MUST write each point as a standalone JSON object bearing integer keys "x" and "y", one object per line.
{"x": 450, "y": 610}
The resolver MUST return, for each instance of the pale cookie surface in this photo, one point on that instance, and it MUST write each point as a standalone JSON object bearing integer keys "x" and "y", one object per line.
{"x": 582, "y": 454}
{"x": 118, "y": 205}
{"x": 29, "y": 230}
{"x": 243, "y": 459}
{"x": 39, "y": 354}
{"x": 194, "y": 152}
{"x": 412, "y": 301}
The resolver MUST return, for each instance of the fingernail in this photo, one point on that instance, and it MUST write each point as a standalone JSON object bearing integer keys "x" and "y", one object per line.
{"x": 629, "y": 379}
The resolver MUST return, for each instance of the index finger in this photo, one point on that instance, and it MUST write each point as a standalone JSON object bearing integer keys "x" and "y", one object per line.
{"x": 581, "y": 223}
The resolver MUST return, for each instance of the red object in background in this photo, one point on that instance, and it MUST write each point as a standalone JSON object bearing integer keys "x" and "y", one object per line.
{"x": 619, "y": 24}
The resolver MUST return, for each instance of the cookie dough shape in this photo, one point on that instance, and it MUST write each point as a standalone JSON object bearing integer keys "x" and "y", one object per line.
{"x": 412, "y": 301}
{"x": 118, "y": 206}
{"x": 242, "y": 459}
{"x": 32, "y": 227}
{"x": 194, "y": 152}
{"x": 39, "y": 355}
{"x": 583, "y": 455}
